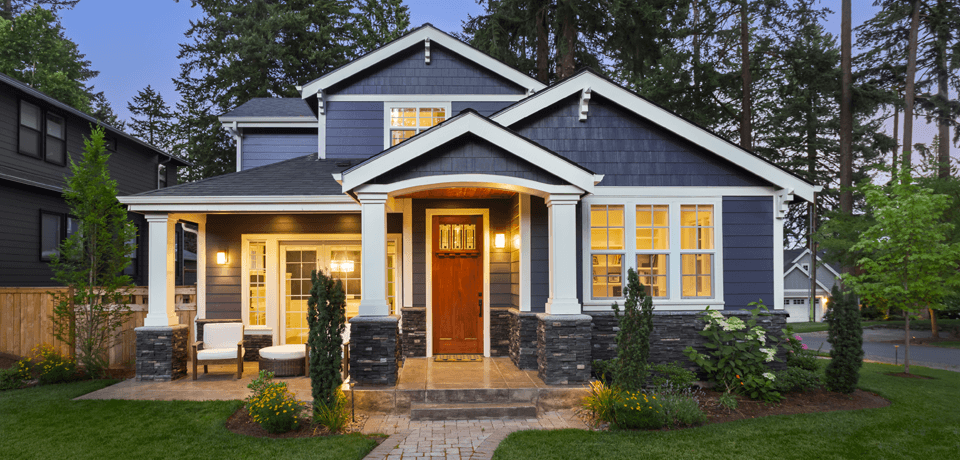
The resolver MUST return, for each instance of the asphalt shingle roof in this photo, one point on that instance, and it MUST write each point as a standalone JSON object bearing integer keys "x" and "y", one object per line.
{"x": 306, "y": 175}
{"x": 272, "y": 107}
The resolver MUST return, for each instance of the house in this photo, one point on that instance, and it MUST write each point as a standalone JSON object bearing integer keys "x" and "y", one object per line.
{"x": 796, "y": 284}
{"x": 469, "y": 209}
{"x": 38, "y": 134}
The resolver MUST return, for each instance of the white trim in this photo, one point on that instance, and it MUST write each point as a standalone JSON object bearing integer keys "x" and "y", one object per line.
{"x": 306, "y": 125}
{"x": 413, "y": 39}
{"x": 426, "y": 51}
{"x": 321, "y": 126}
{"x": 456, "y": 127}
{"x": 663, "y": 118}
{"x": 419, "y": 104}
{"x": 778, "y": 275}
{"x": 682, "y": 191}
{"x": 585, "y": 103}
{"x": 675, "y": 299}
{"x": 201, "y": 270}
{"x": 161, "y": 229}
{"x": 260, "y": 203}
{"x": 807, "y": 274}
{"x": 428, "y": 244}
{"x": 426, "y": 97}
{"x": 269, "y": 120}
{"x": 820, "y": 262}
{"x": 510, "y": 183}
{"x": 525, "y": 267}
{"x": 407, "y": 208}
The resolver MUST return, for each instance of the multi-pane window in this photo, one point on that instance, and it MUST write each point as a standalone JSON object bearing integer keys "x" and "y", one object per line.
{"x": 51, "y": 233}
{"x": 406, "y": 122}
{"x": 392, "y": 268}
{"x": 345, "y": 266}
{"x": 653, "y": 242}
{"x": 606, "y": 247}
{"x": 42, "y": 134}
{"x": 257, "y": 271}
{"x": 697, "y": 250}
{"x": 31, "y": 122}
{"x": 56, "y": 140}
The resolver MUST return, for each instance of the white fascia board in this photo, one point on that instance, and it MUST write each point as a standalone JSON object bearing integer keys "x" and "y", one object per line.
{"x": 682, "y": 191}
{"x": 807, "y": 274}
{"x": 414, "y": 39}
{"x": 307, "y": 124}
{"x": 802, "y": 254}
{"x": 268, "y": 119}
{"x": 483, "y": 128}
{"x": 426, "y": 97}
{"x": 290, "y": 203}
{"x": 511, "y": 183}
{"x": 663, "y": 118}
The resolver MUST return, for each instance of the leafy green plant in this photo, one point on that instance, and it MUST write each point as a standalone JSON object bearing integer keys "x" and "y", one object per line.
{"x": 53, "y": 367}
{"x": 601, "y": 401}
{"x": 633, "y": 339}
{"x": 798, "y": 354}
{"x": 737, "y": 353}
{"x": 16, "y": 376}
{"x": 263, "y": 380}
{"x": 639, "y": 411}
{"x": 326, "y": 318}
{"x": 728, "y": 401}
{"x": 794, "y": 379}
{"x": 334, "y": 416}
{"x": 603, "y": 370}
{"x": 682, "y": 410}
{"x": 272, "y": 405}
{"x": 846, "y": 336}
{"x": 671, "y": 375}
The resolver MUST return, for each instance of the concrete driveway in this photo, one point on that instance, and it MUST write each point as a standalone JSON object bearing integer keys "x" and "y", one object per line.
{"x": 876, "y": 347}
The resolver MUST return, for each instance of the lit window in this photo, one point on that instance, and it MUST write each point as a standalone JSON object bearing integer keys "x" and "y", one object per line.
{"x": 406, "y": 122}
{"x": 696, "y": 234}
{"x": 606, "y": 235}
{"x": 258, "y": 284}
{"x": 653, "y": 234}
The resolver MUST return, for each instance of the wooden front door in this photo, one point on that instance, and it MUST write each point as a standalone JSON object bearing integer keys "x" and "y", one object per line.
{"x": 457, "y": 284}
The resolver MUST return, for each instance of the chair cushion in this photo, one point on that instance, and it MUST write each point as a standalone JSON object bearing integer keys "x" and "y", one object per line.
{"x": 283, "y": 352}
{"x": 219, "y": 353}
{"x": 222, "y": 335}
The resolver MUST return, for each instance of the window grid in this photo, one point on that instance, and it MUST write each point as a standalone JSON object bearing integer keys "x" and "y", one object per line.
{"x": 56, "y": 146}
{"x": 606, "y": 237}
{"x": 697, "y": 247}
{"x": 258, "y": 283}
{"x": 31, "y": 122}
{"x": 406, "y": 122}
{"x": 51, "y": 234}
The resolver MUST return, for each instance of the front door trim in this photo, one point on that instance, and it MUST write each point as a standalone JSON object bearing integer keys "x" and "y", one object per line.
{"x": 485, "y": 213}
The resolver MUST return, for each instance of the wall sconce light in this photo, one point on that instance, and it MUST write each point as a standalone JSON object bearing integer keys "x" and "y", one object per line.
{"x": 516, "y": 241}
{"x": 500, "y": 241}
{"x": 221, "y": 257}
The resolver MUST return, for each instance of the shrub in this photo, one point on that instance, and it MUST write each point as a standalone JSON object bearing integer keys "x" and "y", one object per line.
{"x": 798, "y": 355}
{"x": 873, "y": 313}
{"x": 16, "y": 376}
{"x": 333, "y": 416}
{"x": 671, "y": 376}
{"x": 603, "y": 370}
{"x": 53, "y": 367}
{"x": 682, "y": 410}
{"x": 795, "y": 379}
{"x": 737, "y": 355}
{"x": 326, "y": 319}
{"x": 633, "y": 339}
{"x": 639, "y": 411}
{"x": 846, "y": 336}
{"x": 601, "y": 401}
{"x": 272, "y": 405}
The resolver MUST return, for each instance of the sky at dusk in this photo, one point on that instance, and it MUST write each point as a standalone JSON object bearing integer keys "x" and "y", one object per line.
{"x": 134, "y": 43}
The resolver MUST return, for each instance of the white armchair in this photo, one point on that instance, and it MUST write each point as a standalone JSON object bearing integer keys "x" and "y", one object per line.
{"x": 222, "y": 344}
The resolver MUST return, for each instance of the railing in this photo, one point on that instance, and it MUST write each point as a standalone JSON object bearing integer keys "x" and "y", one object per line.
{"x": 25, "y": 320}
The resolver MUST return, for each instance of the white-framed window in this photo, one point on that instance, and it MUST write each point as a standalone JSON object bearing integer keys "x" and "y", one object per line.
{"x": 672, "y": 243}
{"x": 799, "y": 301}
{"x": 403, "y": 120}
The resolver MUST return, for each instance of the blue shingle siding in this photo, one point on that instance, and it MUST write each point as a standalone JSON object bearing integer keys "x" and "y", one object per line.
{"x": 354, "y": 129}
{"x": 627, "y": 149}
{"x": 485, "y": 108}
{"x": 470, "y": 155}
{"x": 747, "y": 251}
{"x": 263, "y": 149}
{"x": 406, "y": 73}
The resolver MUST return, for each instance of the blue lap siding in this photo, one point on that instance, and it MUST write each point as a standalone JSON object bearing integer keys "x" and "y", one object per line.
{"x": 748, "y": 251}
{"x": 354, "y": 129}
{"x": 485, "y": 108}
{"x": 263, "y": 149}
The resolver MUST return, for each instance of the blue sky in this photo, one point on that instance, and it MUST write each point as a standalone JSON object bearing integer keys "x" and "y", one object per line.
{"x": 133, "y": 43}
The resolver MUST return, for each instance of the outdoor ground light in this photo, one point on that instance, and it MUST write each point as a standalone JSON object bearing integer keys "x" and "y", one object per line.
{"x": 500, "y": 241}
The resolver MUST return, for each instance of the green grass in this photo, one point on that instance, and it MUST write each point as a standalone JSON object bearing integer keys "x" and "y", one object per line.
{"x": 43, "y": 422}
{"x": 945, "y": 344}
{"x": 923, "y": 422}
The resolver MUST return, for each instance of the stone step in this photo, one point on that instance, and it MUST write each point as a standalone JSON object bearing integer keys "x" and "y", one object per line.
{"x": 477, "y": 395}
{"x": 471, "y": 411}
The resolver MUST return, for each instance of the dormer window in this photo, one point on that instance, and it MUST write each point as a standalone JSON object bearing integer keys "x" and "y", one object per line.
{"x": 405, "y": 120}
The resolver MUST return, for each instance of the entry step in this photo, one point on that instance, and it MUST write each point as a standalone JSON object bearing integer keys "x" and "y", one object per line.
{"x": 471, "y": 411}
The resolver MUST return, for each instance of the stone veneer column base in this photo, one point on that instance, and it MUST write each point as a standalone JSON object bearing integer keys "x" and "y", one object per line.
{"x": 162, "y": 353}
{"x": 414, "y": 332}
{"x": 374, "y": 350}
{"x": 523, "y": 339}
{"x": 563, "y": 348}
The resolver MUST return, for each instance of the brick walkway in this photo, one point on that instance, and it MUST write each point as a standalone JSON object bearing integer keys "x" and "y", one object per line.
{"x": 455, "y": 439}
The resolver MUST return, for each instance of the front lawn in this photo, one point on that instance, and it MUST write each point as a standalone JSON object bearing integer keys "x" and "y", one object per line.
{"x": 923, "y": 422}
{"x": 43, "y": 422}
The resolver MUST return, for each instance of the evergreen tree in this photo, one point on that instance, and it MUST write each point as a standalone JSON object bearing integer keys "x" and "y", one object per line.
{"x": 846, "y": 339}
{"x": 152, "y": 120}
{"x": 9, "y": 9}
{"x": 378, "y": 22}
{"x": 104, "y": 112}
{"x": 327, "y": 321}
{"x": 199, "y": 137}
{"x": 633, "y": 338}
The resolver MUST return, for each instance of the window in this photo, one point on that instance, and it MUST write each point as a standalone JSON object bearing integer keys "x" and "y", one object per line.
{"x": 161, "y": 176}
{"x": 806, "y": 267}
{"x": 408, "y": 120}
{"x": 671, "y": 243}
{"x": 257, "y": 271}
{"x": 30, "y": 125}
{"x": 51, "y": 233}
{"x": 786, "y": 301}
{"x": 56, "y": 144}
{"x": 799, "y": 301}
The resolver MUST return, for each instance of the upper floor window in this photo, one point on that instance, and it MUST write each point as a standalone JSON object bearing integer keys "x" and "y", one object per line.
{"x": 42, "y": 135}
{"x": 56, "y": 149}
{"x": 31, "y": 123}
{"x": 407, "y": 120}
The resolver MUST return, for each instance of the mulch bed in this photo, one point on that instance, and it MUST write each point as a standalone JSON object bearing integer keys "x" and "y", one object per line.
{"x": 241, "y": 423}
{"x": 7, "y": 360}
{"x": 793, "y": 403}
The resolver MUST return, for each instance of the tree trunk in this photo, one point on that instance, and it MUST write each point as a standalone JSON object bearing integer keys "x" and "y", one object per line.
{"x": 910, "y": 95}
{"x": 896, "y": 142}
{"x": 933, "y": 324}
{"x": 543, "y": 46}
{"x": 846, "y": 115}
{"x": 568, "y": 30}
{"x": 746, "y": 103}
{"x": 943, "y": 117}
{"x": 906, "y": 350}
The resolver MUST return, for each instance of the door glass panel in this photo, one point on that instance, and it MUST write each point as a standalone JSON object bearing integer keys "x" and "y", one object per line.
{"x": 300, "y": 262}
{"x": 344, "y": 264}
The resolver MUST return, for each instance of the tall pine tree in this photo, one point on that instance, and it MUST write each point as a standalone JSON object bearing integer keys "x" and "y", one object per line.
{"x": 152, "y": 119}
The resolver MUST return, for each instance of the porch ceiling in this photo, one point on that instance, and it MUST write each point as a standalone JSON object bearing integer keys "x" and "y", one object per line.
{"x": 462, "y": 193}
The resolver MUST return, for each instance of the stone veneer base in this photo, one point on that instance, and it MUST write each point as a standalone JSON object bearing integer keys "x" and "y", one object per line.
{"x": 374, "y": 350}
{"x": 563, "y": 348}
{"x": 162, "y": 353}
{"x": 523, "y": 339}
{"x": 414, "y": 332}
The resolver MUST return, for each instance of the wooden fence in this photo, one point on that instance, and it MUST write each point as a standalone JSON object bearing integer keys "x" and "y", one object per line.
{"x": 25, "y": 321}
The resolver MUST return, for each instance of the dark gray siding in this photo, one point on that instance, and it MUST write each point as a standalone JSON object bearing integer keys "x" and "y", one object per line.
{"x": 627, "y": 149}
{"x": 223, "y": 232}
{"x": 514, "y": 252}
{"x": 406, "y": 73}
{"x": 354, "y": 129}
{"x": 500, "y": 276}
{"x": 539, "y": 254}
{"x": 264, "y": 149}
{"x": 747, "y": 251}
{"x": 485, "y": 108}
{"x": 468, "y": 154}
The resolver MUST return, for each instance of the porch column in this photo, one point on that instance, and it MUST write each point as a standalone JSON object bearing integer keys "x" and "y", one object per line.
{"x": 562, "y": 211}
{"x": 373, "y": 254}
{"x": 161, "y": 263}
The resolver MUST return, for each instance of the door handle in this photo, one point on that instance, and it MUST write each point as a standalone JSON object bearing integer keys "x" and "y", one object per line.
{"x": 480, "y": 304}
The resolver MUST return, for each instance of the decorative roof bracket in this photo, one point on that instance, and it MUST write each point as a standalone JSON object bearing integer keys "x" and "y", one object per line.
{"x": 784, "y": 197}
{"x": 320, "y": 107}
{"x": 585, "y": 102}
{"x": 426, "y": 51}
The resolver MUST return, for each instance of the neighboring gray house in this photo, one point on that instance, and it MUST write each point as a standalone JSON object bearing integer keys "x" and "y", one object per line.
{"x": 796, "y": 284}
{"x": 470, "y": 209}
{"x": 38, "y": 136}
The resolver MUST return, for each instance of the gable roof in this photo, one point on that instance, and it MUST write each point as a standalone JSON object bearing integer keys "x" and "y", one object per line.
{"x": 590, "y": 79}
{"x": 792, "y": 260}
{"x": 110, "y": 129}
{"x": 412, "y": 38}
{"x": 468, "y": 122}
{"x": 272, "y": 108}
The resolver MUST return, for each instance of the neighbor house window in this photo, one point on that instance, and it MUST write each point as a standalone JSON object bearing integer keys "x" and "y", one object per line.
{"x": 697, "y": 250}
{"x": 51, "y": 234}
{"x": 56, "y": 140}
{"x": 404, "y": 122}
{"x": 31, "y": 124}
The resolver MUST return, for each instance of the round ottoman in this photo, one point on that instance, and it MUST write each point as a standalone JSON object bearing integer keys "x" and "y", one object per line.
{"x": 284, "y": 360}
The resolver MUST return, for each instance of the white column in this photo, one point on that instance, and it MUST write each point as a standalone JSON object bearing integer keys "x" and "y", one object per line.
{"x": 201, "y": 269}
{"x": 161, "y": 279}
{"x": 562, "y": 210}
{"x": 373, "y": 276}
